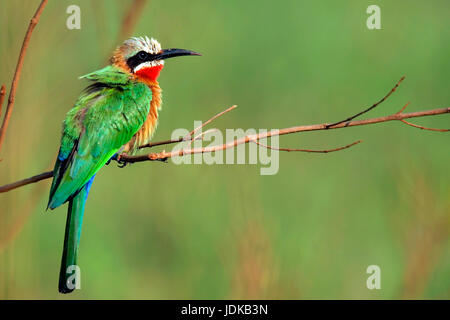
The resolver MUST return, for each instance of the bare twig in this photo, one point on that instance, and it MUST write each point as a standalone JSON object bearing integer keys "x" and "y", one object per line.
{"x": 371, "y": 107}
{"x": 165, "y": 155}
{"x": 208, "y": 122}
{"x": 403, "y": 108}
{"x": 417, "y": 126}
{"x": 200, "y": 136}
{"x": 189, "y": 136}
{"x": 307, "y": 150}
{"x": 49, "y": 174}
{"x": 33, "y": 179}
{"x": 399, "y": 116}
{"x": 424, "y": 128}
{"x": 12, "y": 92}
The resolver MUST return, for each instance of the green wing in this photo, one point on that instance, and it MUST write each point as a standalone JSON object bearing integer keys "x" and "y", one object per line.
{"x": 105, "y": 117}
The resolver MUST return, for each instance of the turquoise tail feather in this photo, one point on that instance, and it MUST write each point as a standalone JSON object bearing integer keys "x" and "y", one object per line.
{"x": 72, "y": 238}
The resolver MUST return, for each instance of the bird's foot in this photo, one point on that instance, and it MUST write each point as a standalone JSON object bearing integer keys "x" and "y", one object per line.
{"x": 114, "y": 157}
{"x": 121, "y": 163}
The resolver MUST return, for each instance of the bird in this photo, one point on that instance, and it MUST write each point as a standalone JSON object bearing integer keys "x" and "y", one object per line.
{"x": 116, "y": 113}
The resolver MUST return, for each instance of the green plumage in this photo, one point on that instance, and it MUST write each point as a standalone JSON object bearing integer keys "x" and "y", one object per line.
{"x": 72, "y": 238}
{"x": 105, "y": 117}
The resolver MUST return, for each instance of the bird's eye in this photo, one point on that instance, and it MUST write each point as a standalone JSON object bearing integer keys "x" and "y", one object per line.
{"x": 142, "y": 55}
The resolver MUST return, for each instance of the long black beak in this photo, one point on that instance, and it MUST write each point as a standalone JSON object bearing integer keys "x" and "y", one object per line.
{"x": 171, "y": 53}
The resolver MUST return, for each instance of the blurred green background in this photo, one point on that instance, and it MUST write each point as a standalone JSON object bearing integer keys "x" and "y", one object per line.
{"x": 162, "y": 231}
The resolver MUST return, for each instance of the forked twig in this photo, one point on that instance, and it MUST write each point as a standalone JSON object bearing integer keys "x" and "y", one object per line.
{"x": 188, "y": 137}
{"x": 399, "y": 116}
{"x": 246, "y": 139}
{"x": 371, "y": 107}
{"x": 307, "y": 150}
{"x": 200, "y": 136}
{"x": 424, "y": 128}
{"x": 417, "y": 126}
{"x": 165, "y": 155}
{"x": 208, "y": 122}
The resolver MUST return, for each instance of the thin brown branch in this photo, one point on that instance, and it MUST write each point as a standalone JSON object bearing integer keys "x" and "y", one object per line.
{"x": 399, "y": 116}
{"x": 403, "y": 108}
{"x": 371, "y": 107}
{"x": 12, "y": 92}
{"x": 49, "y": 174}
{"x": 324, "y": 126}
{"x": 209, "y": 121}
{"x": 24, "y": 182}
{"x": 200, "y": 136}
{"x": 308, "y": 150}
{"x": 424, "y": 128}
{"x": 189, "y": 136}
{"x": 315, "y": 127}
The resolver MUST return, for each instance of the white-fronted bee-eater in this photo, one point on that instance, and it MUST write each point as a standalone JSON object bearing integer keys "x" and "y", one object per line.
{"x": 116, "y": 113}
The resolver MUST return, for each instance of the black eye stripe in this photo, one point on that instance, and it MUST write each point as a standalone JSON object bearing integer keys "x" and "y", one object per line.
{"x": 138, "y": 58}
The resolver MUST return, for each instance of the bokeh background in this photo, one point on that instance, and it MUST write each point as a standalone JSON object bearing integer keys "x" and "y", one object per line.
{"x": 162, "y": 231}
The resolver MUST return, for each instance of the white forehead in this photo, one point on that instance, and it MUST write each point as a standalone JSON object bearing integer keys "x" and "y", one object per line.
{"x": 137, "y": 44}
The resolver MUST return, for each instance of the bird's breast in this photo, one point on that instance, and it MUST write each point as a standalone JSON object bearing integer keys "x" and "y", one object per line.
{"x": 145, "y": 133}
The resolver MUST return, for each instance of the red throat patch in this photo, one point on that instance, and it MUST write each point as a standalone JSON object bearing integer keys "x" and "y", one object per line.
{"x": 150, "y": 73}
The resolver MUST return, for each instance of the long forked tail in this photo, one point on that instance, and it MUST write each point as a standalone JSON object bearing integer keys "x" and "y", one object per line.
{"x": 69, "y": 272}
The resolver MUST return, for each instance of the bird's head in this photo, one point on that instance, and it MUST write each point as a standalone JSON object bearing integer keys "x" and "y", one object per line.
{"x": 144, "y": 58}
